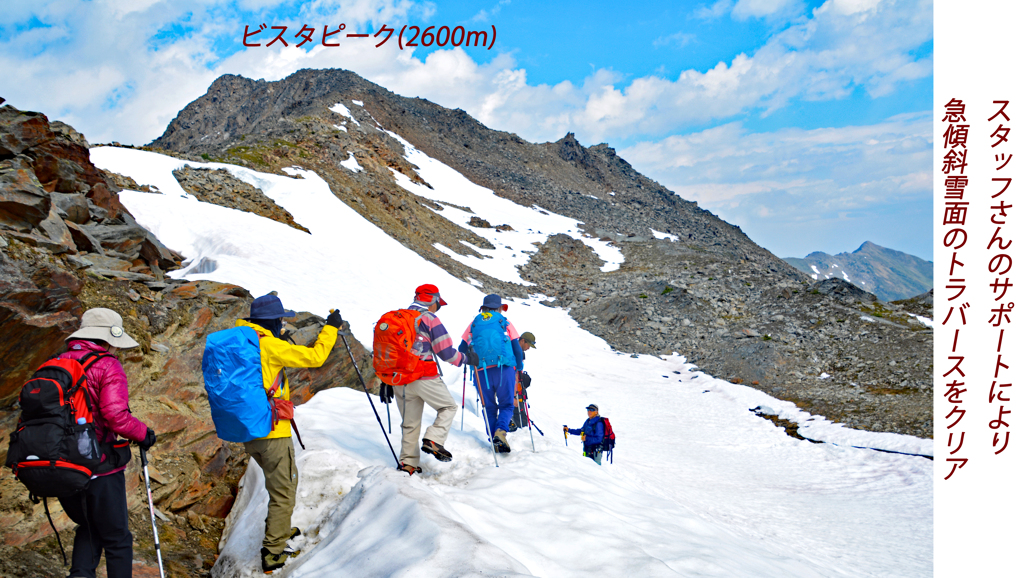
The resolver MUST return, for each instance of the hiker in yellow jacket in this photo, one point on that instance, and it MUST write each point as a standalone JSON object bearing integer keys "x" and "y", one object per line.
{"x": 275, "y": 453}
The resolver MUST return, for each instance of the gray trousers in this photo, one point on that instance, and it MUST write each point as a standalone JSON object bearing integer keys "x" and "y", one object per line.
{"x": 410, "y": 399}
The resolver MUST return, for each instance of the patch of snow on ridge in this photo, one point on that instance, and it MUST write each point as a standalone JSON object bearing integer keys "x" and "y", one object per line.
{"x": 924, "y": 321}
{"x": 528, "y": 223}
{"x": 357, "y": 102}
{"x": 660, "y": 235}
{"x": 845, "y": 278}
{"x": 351, "y": 163}
{"x": 343, "y": 111}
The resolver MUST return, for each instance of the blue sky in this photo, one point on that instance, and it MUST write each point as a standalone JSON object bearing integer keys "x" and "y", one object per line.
{"x": 808, "y": 124}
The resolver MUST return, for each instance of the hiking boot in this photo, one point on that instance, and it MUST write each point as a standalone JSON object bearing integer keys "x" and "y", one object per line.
{"x": 289, "y": 550}
{"x": 512, "y": 426}
{"x": 437, "y": 450}
{"x": 410, "y": 469}
{"x": 500, "y": 443}
{"x": 270, "y": 561}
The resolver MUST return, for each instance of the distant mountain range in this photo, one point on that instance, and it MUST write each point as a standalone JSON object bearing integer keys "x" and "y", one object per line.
{"x": 889, "y": 274}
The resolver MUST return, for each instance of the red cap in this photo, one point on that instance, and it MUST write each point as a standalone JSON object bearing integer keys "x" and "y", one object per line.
{"x": 429, "y": 291}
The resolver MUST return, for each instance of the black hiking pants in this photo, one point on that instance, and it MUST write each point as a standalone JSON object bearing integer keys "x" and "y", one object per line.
{"x": 101, "y": 512}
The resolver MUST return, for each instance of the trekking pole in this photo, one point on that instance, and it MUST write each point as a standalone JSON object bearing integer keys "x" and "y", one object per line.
{"x": 535, "y": 425}
{"x": 388, "y": 407}
{"x": 368, "y": 398}
{"x": 565, "y": 434}
{"x": 152, "y": 513}
{"x": 487, "y": 428}
{"x": 463, "y": 424}
{"x": 529, "y": 425}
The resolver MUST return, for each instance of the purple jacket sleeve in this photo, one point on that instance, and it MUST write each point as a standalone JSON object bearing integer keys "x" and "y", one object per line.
{"x": 112, "y": 385}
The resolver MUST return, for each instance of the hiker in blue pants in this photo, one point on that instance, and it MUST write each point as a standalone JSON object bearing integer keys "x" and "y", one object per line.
{"x": 496, "y": 343}
{"x": 592, "y": 433}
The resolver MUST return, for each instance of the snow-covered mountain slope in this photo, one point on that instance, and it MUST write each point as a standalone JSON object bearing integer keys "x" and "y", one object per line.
{"x": 699, "y": 485}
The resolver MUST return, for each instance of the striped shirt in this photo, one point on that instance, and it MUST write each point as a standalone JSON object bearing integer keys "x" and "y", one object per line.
{"x": 432, "y": 339}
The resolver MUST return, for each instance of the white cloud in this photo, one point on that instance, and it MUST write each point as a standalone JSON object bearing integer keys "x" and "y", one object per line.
{"x": 679, "y": 39}
{"x": 715, "y": 11}
{"x": 845, "y": 166}
{"x": 845, "y": 182}
{"x": 111, "y": 81}
{"x": 762, "y": 8}
{"x": 487, "y": 15}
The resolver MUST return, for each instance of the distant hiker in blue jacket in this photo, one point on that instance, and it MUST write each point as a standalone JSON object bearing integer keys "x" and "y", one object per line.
{"x": 496, "y": 344}
{"x": 592, "y": 433}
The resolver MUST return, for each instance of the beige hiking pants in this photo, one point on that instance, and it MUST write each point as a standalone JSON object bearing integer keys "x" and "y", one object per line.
{"x": 410, "y": 399}
{"x": 277, "y": 459}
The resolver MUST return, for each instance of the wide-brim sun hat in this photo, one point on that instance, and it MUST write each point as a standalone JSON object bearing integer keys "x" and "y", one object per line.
{"x": 105, "y": 325}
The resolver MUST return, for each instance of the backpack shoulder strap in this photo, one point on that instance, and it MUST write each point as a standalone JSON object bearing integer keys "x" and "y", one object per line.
{"x": 90, "y": 358}
{"x": 87, "y": 361}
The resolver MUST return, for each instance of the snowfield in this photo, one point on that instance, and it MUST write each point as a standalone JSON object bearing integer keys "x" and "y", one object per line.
{"x": 700, "y": 486}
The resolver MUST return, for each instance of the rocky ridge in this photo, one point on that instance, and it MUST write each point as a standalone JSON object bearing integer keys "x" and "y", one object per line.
{"x": 67, "y": 244}
{"x": 707, "y": 292}
{"x": 219, "y": 187}
{"x": 891, "y": 275}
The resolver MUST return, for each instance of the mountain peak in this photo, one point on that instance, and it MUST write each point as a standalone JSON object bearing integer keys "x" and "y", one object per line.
{"x": 888, "y": 273}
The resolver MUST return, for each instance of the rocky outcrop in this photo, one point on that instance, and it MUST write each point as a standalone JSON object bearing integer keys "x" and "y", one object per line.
{"x": 218, "y": 187}
{"x": 64, "y": 252}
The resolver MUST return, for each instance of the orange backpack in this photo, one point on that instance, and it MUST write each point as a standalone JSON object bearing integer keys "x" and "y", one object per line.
{"x": 393, "y": 338}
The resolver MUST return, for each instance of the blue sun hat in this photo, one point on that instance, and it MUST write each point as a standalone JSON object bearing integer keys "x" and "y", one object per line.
{"x": 268, "y": 307}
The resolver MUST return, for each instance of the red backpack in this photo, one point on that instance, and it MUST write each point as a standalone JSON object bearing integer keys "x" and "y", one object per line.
{"x": 54, "y": 450}
{"x": 393, "y": 338}
{"x": 608, "y": 443}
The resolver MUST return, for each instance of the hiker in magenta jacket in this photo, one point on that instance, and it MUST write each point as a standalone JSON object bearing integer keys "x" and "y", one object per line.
{"x": 101, "y": 510}
{"x": 108, "y": 392}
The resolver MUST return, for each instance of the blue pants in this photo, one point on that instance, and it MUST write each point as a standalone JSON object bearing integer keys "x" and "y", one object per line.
{"x": 498, "y": 387}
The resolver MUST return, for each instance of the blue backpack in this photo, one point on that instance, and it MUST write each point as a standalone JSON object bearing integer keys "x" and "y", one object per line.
{"x": 490, "y": 339}
{"x": 233, "y": 377}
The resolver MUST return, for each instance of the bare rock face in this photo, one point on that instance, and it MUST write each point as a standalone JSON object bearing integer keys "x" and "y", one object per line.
{"x": 23, "y": 202}
{"x": 38, "y": 309}
{"x": 22, "y": 130}
{"x": 220, "y": 188}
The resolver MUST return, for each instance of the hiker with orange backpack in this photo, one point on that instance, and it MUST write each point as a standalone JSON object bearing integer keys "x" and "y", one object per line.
{"x": 417, "y": 331}
{"x": 592, "y": 432}
{"x": 86, "y": 473}
{"x": 495, "y": 341}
